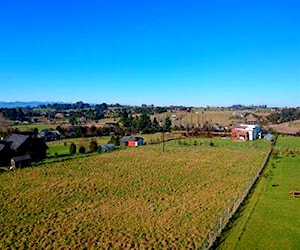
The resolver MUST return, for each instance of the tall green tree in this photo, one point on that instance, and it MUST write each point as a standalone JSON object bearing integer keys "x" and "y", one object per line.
{"x": 168, "y": 124}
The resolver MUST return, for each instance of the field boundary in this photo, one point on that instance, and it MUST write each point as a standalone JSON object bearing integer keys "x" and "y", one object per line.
{"x": 220, "y": 224}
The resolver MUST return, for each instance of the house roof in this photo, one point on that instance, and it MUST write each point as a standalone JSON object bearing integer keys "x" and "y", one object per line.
{"x": 124, "y": 139}
{"x": 17, "y": 140}
{"x": 108, "y": 146}
{"x": 21, "y": 158}
{"x": 135, "y": 138}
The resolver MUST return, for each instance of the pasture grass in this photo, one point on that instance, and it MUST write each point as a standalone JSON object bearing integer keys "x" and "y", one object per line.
{"x": 31, "y": 127}
{"x": 61, "y": 147}
{"x": 270, "y": 219}
{"x": 133, "y": 198}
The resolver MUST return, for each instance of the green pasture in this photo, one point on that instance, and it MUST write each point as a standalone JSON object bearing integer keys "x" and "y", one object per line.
{"x": 288, "y": 142}
{"x": 270, "y": 218}
{"x": 31, "y": 127}
{"x": 61, "y": 147}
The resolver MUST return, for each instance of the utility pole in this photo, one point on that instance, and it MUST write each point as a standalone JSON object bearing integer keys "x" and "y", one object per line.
{"x": 163, "y": 134}
{"x": 186, "y": 125}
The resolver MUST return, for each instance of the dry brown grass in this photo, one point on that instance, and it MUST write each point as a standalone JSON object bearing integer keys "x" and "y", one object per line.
{"x": 134, "y": 198}
{"x": 212, "y": 117}
{"x": 287, "y": 127}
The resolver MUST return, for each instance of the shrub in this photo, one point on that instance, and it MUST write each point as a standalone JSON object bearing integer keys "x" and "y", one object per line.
{"x": 211, "y": 143}
{"x": 115, "y": 140}
{"x": 82, "y": 150}
{"x": 93, "y": 146}
{"x": 72, "y": 148}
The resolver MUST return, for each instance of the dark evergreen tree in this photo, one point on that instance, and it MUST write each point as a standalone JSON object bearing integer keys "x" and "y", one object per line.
{"x": 168, "y": 124}
{"x": 72, "y": 148}
{"x": 81, "y": 150}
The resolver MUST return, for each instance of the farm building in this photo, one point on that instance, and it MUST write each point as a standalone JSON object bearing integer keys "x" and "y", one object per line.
{"x": 132, "y": 141}
{"x": 5, "y": 154}
{"x": 107, "y": 147}
{"x": 22, "y": 144}
{"x": 111, "y": 125}
{"x": 50, "y": 135}
{"x": 20, "y": 161}
{"x": 245, "y": 132}
{"x": 135, "y": 141}
{"x": 124, "y": 141}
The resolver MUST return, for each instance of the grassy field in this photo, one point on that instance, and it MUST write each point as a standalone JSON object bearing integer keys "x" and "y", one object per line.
{"x": 61, "y": 147}
{"x": 133, "y": 198}
{"x": 31, "y": 127}
{"x": 271, "y": 219}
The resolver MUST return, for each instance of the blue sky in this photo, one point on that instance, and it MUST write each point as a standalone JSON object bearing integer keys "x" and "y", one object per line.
{"x": 161, "y": 52}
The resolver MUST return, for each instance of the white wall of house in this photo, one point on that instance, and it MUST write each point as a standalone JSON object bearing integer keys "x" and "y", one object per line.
{"x": 253, "y": 131}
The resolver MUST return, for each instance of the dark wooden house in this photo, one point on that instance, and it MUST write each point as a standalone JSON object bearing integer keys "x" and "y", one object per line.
{"x": 5, "y": 154}
{"x": 28, "y": 144}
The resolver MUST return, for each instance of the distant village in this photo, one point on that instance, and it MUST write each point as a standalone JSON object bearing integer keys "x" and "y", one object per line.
{"x": 125, "y": 125}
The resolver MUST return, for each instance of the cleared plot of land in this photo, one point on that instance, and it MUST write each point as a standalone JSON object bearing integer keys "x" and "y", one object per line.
{"x": 286, "y": 127}
{"x": 137, "y": 197}
{"x": 271, "y": 217}
{"x": 62, "y": 147}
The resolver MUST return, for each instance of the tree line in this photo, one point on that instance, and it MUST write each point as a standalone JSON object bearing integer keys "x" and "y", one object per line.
{"x": 286, "y": 115}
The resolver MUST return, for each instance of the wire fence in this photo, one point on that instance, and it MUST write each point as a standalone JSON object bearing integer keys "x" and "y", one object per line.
{"x": 222, "y": 221}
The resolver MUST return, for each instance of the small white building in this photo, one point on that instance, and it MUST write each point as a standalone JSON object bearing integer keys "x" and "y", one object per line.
{"x": 249, "y": 132}
{"x": 253, "y": 131}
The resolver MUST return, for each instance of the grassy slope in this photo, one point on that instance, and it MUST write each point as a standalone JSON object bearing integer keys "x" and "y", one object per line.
{"x": 136, "y": 197}
{"x": 271, "y": 218}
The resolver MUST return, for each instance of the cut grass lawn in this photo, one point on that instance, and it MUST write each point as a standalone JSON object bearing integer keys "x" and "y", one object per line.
{"x": 137, "y": 197}
{"x": 270, "y": 219}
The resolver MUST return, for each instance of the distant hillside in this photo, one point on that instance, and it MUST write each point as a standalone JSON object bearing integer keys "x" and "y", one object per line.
{"x": 4, "y": 121}
{"x": 21, "y": 104}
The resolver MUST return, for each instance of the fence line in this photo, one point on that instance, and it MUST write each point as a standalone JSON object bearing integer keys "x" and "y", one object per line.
{"x": 222, "y": 221}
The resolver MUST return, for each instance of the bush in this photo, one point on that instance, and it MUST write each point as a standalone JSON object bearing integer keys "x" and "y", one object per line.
{"x": 115, "y": 140}
{"x": 93, "y": 146}
{"x": 211, "y": 143}
{"x": 72, "y": 148}
{"x": 82, "y": 150}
